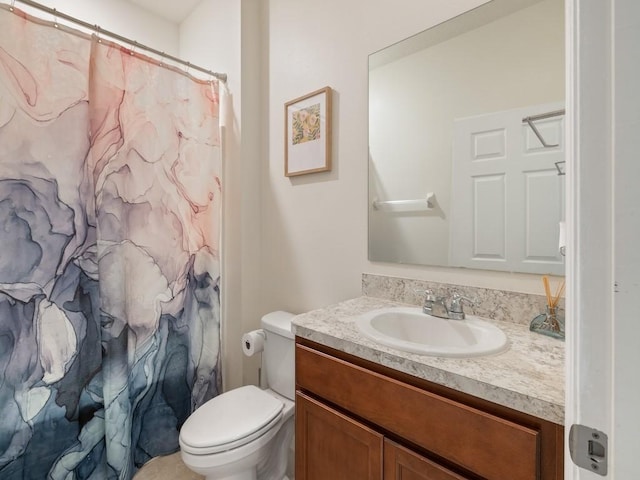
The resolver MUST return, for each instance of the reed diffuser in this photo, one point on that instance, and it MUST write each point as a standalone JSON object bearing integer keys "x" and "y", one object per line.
{"x": 552, "y": 321}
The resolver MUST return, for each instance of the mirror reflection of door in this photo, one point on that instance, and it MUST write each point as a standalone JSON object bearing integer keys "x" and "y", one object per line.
{"x": 507, "y": 197}
{"x": 502, "y": 56}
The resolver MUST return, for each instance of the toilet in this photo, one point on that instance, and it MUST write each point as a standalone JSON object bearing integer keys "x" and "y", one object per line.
{"x": 246, "y": 433}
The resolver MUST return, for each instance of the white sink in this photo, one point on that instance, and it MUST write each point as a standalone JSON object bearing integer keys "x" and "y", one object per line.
{"x": 410, "y": 330}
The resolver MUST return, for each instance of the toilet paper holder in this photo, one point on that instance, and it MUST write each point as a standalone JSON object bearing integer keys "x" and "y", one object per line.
{"x": 253, "y": 342}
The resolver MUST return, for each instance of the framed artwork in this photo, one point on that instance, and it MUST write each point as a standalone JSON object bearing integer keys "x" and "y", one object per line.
{"x": 307, "y": 133}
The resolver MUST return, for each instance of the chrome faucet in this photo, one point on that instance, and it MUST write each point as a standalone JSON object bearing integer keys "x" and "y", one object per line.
{"x": 436, "y": 305}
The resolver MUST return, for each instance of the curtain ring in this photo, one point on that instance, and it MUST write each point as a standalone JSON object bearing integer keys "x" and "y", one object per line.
{"x": 186, "y": 70}
{"x": 97, "y": 29}
{"x": 133, "y": 48}
{"x": 55, "y": 18}
{"x": 11, "y": 7}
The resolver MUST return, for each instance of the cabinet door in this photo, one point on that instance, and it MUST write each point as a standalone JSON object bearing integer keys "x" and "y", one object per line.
{"x": 403, "y": 464}
{"x": 330, "y": 445}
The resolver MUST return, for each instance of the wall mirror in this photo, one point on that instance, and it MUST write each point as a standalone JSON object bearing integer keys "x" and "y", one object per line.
{"x": 466, "y": 141}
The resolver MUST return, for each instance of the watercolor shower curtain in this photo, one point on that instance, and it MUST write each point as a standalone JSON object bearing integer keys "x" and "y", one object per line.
{"x": 109, "y": 253}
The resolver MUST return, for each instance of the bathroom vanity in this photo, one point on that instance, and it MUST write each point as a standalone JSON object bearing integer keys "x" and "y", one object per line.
{"x": 365, "y": 411}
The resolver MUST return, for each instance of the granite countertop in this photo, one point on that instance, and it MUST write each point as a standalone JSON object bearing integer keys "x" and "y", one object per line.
{"x": 528, "y": 377}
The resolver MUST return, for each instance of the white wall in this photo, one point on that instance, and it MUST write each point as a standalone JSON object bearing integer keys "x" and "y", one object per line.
{"x": 415, "y": 100}
{"x": 314, "y": 236}
{"x": 120, "y": 17}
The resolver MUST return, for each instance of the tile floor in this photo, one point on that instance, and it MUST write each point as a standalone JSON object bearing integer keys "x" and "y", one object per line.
{"x": 172, "y": 468}
{"x": 166, "y": 468}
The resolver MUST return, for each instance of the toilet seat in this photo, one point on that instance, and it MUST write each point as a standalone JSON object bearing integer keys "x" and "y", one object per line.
{"x": 230, "y": 420}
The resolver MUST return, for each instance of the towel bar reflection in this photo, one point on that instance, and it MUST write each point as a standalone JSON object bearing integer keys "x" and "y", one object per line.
{"x": 529, "y": 121}
{"x": 417, "y": 205}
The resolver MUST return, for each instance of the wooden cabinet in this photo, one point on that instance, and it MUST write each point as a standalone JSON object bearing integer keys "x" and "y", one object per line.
{"x": 352, "y": 413}
{"x": 334, "y": 446}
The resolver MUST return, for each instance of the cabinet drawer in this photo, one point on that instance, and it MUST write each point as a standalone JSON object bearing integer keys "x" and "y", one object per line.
{"x": 490, "y": 446}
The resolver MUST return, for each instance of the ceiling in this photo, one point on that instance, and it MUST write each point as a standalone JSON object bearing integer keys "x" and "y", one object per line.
{"x": 173, "y": 10}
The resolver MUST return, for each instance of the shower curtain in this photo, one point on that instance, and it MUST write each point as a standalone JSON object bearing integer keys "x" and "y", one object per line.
{"x": 110, "y": 197}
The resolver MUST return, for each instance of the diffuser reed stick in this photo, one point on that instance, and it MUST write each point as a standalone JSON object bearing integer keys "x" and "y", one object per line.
{"x": 559, "y": 292}
{"x": 553, "y": 301}
{"x": 547, "y": 290}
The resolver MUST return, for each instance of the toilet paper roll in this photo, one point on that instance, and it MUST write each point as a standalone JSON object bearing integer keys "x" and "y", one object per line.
{"x": 253, "y": 342}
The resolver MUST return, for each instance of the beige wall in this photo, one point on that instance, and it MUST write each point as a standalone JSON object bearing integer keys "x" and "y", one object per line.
{"x": 301, "y": 243}
{"x": 314, "y": 226}
{"x": 314, "y": 235}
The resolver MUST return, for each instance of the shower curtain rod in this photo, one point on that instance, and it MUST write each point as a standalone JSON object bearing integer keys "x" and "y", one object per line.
{"x": 99, "y": 30}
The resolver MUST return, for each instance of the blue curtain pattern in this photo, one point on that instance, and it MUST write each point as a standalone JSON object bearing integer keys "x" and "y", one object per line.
{"x": 110, "y": 199}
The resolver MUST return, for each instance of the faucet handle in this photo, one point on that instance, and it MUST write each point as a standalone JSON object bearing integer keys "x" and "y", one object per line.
{"x": 457, "y": 299}
{"x": 428, "y": 294}
{"x": 456, "y": 303}
{"x": 429, "y": 300}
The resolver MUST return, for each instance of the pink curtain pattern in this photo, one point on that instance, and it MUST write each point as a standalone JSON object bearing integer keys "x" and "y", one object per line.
{"x": 110, "y": 201}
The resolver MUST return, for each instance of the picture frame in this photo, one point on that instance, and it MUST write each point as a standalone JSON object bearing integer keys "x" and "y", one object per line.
{"x": 307, "y": 133}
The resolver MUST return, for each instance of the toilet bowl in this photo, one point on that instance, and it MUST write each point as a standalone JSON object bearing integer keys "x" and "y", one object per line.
{"x": 246, "y": 433}
{"x": 248, "y": 428}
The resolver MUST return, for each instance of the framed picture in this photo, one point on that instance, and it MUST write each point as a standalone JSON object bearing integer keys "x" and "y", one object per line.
{"x": 307, "y": 133}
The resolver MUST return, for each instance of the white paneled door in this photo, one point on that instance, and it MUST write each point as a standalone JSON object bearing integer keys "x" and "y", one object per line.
{"x": 507, "y": 197}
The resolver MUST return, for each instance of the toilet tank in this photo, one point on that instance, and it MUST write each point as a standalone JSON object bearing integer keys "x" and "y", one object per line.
{"x": 278, "y": 361}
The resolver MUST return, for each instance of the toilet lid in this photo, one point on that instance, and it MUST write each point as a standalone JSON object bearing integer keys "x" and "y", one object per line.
{"x": 227, "y": 419}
